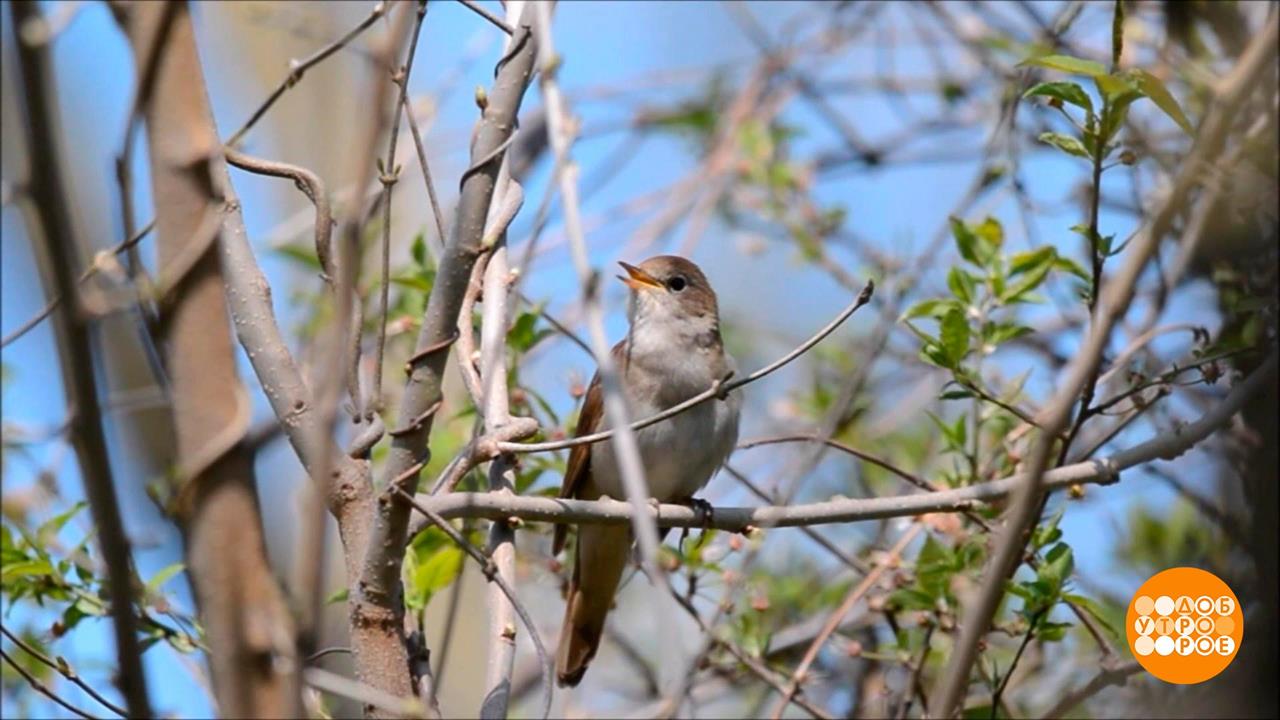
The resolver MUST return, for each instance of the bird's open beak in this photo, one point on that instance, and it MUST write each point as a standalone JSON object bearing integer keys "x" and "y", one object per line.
{"x": 639, "y": 280}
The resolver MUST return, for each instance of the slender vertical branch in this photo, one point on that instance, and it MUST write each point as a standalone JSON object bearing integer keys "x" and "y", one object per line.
{"x": 497, "y": 413}
{"x": 378, "y": 587}
{"x": 560, "y": 134}
{"x": 76, "y": 353}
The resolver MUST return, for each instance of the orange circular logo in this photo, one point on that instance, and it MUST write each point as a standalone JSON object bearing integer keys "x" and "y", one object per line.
{"x": 1184, "y": 625}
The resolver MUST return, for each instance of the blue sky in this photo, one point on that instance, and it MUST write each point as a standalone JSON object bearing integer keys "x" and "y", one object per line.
{"x": 899, "y": 208}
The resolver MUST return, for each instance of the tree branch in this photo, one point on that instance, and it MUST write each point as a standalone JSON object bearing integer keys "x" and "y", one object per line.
{"x": 76, "y": 354}
{"x": 1103, "y": 471}
{"x": 378, "y": 574}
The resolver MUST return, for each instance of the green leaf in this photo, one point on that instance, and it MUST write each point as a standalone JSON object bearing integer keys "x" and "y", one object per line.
{"x": 930, "y": 308}
{"x": 966, "y": 241}
{"x": 337, "y": 596}
{"x": 999, "y": 333}
{"x": 159, "y": 579}
{"x": 419, "y": 250}
{"x": 1067, "y": 64}
{"x": 524, "y": 333}
{"x": 1057, "y": 566}
{"x": 437, "y": 573}
{"x": 1065, "y": 143}
{"x": 991, "y": 231}
{"x": 50, "y": 528}
{"x": 28, "y": 568}
{"x": 912, "y": 599}
{"x": 1030, "y": 276}
{"x": 1026, "y": 261}
{"x": 1096, "y": 611}
{"x": 413, "y": 282}
{"x": 1051, "y": 631}
{"x": 1120, "y": 93}
{"x": 1068, "y": 92}
{"x": 1071, "y": 266}
{"x": 1152, "y": 87}
{"x": 933, "y": 567}
{"x": 1048, "y": 532}
{"x": 961, "y": 284}
{"x": 954, "y": 336}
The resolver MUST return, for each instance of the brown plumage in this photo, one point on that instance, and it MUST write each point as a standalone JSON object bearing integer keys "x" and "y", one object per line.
{"x": 672, "y": 351}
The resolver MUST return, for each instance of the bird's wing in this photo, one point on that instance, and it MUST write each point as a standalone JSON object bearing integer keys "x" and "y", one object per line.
{"x": 579, "y": 468}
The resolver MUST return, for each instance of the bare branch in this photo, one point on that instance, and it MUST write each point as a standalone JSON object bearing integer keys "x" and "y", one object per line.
{"x": 76, "y": 354}
{"x": 378, "y": 577}
{"x": 299, "y": 68}
{"x": 66, "y": 671}
{"x": 43, "y": 689}
{"x": 1102, "y": 471}
{"x": 1106, "y": 677}
{"x": 799, "y": 675}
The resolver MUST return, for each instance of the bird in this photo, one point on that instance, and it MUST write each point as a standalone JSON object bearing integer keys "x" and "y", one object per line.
{"x": 673, "y": 350}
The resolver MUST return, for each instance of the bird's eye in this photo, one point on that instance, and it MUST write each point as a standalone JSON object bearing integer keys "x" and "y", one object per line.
{"x": 677, "y": 283}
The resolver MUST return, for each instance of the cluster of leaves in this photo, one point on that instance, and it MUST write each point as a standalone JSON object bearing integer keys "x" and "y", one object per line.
{"x": 979, "y": 316}
{"x": 37, "y": 569}
{"x": 1096, "y": 136}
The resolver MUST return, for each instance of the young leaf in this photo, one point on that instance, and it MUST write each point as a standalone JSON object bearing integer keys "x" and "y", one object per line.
{"x": 954, "y": 336}
{"x": 1065, "y": 91}
{"x": 158, "y": 580}
{"x": 1065, "y": 143}
{"x": 1095, "y": 611}
{"x": 1068, "y": 64}
{"x": 1152, "y": 87}
{"x": 962, "y": 285}
{"x": 419, "y": 250}
{"x": 1030, "y": 277}
{"x": 1025, "y": 261}
{"x": 966, "y": 241}
{"x": 930, "y": 308}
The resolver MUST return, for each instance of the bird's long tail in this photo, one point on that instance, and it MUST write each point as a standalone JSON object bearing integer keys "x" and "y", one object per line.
{"x": 601, "y": 556}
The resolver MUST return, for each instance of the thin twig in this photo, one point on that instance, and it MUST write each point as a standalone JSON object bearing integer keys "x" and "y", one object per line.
{"x": 1102, "y": 471}
{"x": 493, "y": 20}
{"x": 436, "y": 247}
{"x": 40, "y": 687}
{"x": 799, "y": 675}
{"x": 492, "y": 575}
{"x": 1107, "y": 676}
{"x": 335, "y": 684}
{"x": 390, "y": 174}
{"x": 89, "y": 272}
{"x": 299, "y": 68}
{"x": 66, "y": 671}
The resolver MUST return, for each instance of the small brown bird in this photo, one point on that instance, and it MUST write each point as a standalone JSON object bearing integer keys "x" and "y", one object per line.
{"x": 672, "y": 352}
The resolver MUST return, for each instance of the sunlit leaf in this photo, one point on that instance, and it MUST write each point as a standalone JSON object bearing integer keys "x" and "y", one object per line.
{"x": 1065, "y": 143}
{"x": 1068, "y": 92}
{"x": 1067, "y": 64}
{"x": 1153, "y": 88}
